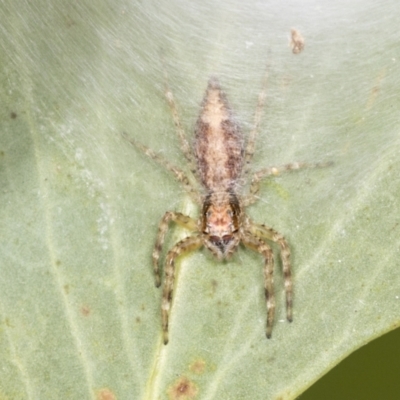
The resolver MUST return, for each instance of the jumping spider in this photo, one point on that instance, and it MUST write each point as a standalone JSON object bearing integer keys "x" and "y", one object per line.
{"x": 219, "y": 160}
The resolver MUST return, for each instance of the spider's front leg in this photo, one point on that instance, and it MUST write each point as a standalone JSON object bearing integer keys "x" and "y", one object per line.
{"x": 255, "y": 243}
{"x": 180, "y": 219}
{"x": 188, "y": 244}
{"x": 265, "y": 232}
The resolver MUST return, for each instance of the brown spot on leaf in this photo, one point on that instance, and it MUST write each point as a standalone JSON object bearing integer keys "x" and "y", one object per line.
{"x": 85, "y": 310}
{"x": 395, "y": 325}
{"x": 375, "y": 89}
{"x": 214, "y": 286}
{"x": 106, "y": 394}
{"x": 13, "y": 115}
{"x": 182, "y": 389}
{"x": 198, "y": 366}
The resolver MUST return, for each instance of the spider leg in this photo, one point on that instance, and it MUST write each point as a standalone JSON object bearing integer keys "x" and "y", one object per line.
{"x": 185, "y": 147}
{"x": 265, "y": 232}
{"x": 255, "y": 243}
{"x": 275, "y": 171}
{"x": 179, "y": 174}
{"x": 250, "y": 148}
{"x": 180, "y": 219}
{"x": 190, "y": 243}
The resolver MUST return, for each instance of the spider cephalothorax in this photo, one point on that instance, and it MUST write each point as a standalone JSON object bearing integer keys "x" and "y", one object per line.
{"x": 220, "y": 223}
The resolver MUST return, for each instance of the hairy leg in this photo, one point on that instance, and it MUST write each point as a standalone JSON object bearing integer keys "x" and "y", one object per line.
{"x": 182, "y": 220}
{"x": 250, "y": 148}
{"x": 253, "y": 242}
{"x": 265, "y": 232}
{"x": 275, "y": 171}
{"x": 185, "y": 147}
{"x": 191, "y": 243}
{"x": 179, "y": 174}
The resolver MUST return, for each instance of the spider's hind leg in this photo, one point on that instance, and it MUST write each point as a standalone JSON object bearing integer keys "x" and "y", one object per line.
{"x": 184, "y": 143}
{"x": 178, "y": 173}
{"x": 250, "y": 148}
{"x": 275, "y": 171}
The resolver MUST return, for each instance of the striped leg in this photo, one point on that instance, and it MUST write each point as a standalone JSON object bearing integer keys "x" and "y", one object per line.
{"x": 185, "y": 147}
{"x": 265, "y": 232}
{"x": 180, "y": 219}
{"x": 179, "y": 174}
{"x": 261, "y": 247}
{"x": 250, "y": 148}
{"x": 191, "y": 243}
{"x": 275, "y": 171}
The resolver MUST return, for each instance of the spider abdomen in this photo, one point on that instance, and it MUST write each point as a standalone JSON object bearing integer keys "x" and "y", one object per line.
{"x": 218, "y": 142}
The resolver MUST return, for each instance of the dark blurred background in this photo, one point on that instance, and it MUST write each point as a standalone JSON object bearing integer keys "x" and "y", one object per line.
{"x": 371, "y": 373}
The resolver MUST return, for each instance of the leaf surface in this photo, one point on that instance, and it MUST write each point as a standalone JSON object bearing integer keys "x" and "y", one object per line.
{"x": 79, "y": 312}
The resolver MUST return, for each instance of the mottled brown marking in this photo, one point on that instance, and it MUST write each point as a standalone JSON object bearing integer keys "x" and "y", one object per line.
{"x": 85, "y": 311}
{"x": 296, "y": 41}
{"x": 198, "y": 366}
{"x": 13, "y": 115}
{"x": 182, "y": 389}
{"x": 218, "y": 142}
{"x": 105, "y": 394}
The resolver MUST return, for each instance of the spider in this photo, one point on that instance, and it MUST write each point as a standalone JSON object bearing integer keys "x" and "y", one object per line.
{"x": 220, "y": 159}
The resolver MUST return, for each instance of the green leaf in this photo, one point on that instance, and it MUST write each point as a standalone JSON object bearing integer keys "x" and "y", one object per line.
{"x": 79, "y": 312}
